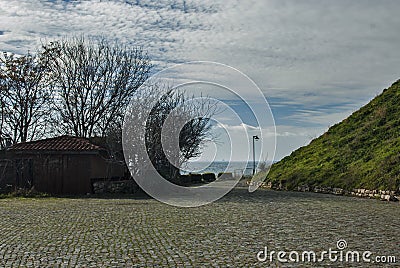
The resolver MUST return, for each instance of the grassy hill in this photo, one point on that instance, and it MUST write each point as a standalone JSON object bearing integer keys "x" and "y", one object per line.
{"x": 362, "y": 151}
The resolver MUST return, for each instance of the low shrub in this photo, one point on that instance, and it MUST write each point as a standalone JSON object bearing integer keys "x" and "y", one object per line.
{"x": 184, "y": 180}
{"x": 196, "y": 178}
{"x": 26, "y": 193}
{"x": 209, "y": 177}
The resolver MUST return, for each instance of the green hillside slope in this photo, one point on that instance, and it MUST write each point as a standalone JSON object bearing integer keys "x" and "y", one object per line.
{"x": 362, "y": 151}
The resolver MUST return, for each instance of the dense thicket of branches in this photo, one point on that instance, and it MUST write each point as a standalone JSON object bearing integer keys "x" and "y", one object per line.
{"x": 94, "y": 81}
{"x": 176, "y": 130}
{"x": 24, "y": 97}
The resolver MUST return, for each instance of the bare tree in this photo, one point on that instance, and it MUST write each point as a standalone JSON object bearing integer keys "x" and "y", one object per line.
{"x": 175, "y": 130}
{"x": 94, "y": 81}
{"x": 24, "y": 96}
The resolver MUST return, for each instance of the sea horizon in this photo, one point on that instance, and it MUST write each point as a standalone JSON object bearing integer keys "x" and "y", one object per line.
{"x": 220, "y": 166}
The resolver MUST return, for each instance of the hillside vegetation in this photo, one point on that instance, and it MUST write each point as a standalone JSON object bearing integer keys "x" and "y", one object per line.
{"x": 362, "y": 151}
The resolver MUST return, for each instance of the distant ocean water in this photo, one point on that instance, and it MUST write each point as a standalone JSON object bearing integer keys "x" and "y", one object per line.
{"x": 218, "y": 166}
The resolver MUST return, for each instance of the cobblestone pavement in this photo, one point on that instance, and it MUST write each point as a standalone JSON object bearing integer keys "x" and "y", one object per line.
{"x": 92, "y": 232}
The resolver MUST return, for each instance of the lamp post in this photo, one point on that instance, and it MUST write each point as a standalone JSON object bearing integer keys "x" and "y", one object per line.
{"x": 255, "y": 138}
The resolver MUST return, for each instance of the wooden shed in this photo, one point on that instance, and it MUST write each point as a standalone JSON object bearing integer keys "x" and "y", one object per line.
{"x": 61, "y": 165}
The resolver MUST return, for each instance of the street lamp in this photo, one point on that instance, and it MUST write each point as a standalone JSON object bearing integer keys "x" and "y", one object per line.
{"x": 255, "y": 138}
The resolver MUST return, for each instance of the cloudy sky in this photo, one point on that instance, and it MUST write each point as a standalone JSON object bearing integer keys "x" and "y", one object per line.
{"x": 315, "y": 61}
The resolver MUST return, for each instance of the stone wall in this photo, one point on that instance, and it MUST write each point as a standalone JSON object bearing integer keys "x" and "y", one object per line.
{"x": 115, "y": 187}
{"x": 379, "y": 194}
{"x": 384, "y": 195}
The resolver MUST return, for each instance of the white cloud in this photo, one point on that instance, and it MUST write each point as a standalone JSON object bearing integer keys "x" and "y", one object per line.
{"x": 324, "y": 47}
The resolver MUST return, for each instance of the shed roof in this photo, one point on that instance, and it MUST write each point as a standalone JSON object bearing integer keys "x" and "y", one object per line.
{"x": 61, "y": 143}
